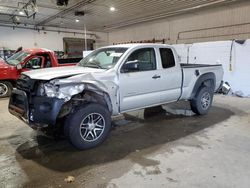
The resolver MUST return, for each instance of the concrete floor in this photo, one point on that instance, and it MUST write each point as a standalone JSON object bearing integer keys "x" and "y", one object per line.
{"x": 158, "y": 151}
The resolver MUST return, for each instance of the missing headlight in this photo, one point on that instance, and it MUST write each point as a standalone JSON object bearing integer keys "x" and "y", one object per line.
{"x": 62, "y": 91}
{"x": 51, "y": 90}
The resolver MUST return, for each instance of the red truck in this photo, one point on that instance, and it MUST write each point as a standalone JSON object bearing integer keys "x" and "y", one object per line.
{"x": 25, "y": 60}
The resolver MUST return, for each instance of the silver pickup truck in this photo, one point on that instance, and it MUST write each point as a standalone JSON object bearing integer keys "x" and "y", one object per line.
{"x": 109, "y": 81}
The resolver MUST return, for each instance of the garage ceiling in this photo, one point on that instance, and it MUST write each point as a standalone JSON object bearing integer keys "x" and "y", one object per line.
{"x": 98, "y": 16}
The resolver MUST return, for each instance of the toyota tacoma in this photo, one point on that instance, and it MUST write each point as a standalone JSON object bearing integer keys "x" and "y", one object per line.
{"x": 110, "y": 81}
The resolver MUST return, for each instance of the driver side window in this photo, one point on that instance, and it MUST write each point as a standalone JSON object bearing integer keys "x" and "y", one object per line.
{"x": 145, "y": 58}
{"x": 34, "y": 63}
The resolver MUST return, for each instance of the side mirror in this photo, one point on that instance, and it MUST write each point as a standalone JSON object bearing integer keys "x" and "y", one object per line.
{"x": 28, "y": 65}
{"x": 18, "y": 66}
{"x": 34, "y": 63}
{"x": 130, "y": 66}
{"x": 35, "y": 67}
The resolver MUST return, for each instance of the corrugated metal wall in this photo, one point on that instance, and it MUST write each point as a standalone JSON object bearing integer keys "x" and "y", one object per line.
{"x": 223, "y": 23}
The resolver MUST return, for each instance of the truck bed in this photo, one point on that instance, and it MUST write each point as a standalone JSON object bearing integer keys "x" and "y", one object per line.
{"x": 189, "y": 80}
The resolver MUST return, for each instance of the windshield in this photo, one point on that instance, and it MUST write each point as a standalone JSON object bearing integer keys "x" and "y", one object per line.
{"x": 105, "y": 58}
{"x": 17, "y": 58}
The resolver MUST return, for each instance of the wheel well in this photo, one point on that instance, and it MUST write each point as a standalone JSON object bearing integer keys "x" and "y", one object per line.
{"x": 207, "y": 80}
{"x": 13, "y": 82}
{"x": 98, "y": 97}
{"x": 87, "y": 96}
{"x": 208, "y": 83}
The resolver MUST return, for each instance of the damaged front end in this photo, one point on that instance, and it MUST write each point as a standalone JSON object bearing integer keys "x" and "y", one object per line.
{"x": 36, "y": 111}
{"x": 48, "y": 101}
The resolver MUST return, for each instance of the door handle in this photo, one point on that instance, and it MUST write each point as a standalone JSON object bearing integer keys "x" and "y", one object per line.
{"x": 156, "y": 76}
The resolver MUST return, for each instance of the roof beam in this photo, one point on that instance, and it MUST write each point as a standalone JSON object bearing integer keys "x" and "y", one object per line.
{"x": 165, "y": 15}
{"x": 65, "y": 11}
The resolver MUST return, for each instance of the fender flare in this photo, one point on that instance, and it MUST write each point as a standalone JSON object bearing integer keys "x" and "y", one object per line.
{"x": 207, "y": 79}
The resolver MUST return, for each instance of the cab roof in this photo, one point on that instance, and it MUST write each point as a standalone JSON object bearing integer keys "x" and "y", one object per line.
{"x": 36, "y": 50}
{"x": 132, "y": 45}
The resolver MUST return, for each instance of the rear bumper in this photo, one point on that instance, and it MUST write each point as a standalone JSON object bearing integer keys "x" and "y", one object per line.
{"x": 37, "y": 112}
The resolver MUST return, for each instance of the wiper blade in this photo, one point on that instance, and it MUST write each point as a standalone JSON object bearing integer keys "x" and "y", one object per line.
{"x": 93, "y": 65}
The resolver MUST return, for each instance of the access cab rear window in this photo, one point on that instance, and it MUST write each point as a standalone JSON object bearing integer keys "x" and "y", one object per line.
{"x": 167, "y": 58}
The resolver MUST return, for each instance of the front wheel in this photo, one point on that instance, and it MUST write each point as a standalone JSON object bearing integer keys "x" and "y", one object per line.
{"x": 89, "y": 126}
{"x": 5, "y": 89}
{"x": 202, "y": 101}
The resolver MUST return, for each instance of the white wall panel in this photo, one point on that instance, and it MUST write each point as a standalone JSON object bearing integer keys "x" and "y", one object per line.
{"x": 183, "y": 52}
{"x": 13, "y": 39}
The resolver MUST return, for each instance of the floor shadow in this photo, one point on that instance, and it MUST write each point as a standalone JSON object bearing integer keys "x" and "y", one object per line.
{"x": 123, "y": 140}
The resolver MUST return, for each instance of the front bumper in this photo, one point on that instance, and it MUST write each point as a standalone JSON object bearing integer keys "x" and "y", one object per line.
{"x": 36, "y": 111}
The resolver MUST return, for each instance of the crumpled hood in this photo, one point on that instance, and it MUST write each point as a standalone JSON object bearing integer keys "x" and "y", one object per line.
{"x": 3, "y": 65}
{"x": 59, "y": 72}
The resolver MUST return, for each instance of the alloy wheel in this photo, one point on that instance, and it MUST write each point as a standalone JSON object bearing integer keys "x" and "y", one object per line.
{"x": 92, "y": 127}
{"x": 3, "y": 89}
{"x": 205, "y": 100}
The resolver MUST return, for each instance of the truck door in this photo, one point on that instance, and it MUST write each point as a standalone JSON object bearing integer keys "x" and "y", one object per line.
{"x": 139, "y": 87}
{"x": 35, "y": 62}
{"x": 171, "y": 76}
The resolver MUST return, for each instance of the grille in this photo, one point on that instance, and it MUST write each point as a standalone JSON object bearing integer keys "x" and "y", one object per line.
{"x": 24, "y": 83}
{"x": 18, "y": 100}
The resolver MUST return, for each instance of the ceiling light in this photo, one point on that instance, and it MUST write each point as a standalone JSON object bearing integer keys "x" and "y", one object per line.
{"x": 16, "y": 20}
{"x": 77, "y": 20}
{"x": 21, "y": 12}
{"x": 112, "y": 9}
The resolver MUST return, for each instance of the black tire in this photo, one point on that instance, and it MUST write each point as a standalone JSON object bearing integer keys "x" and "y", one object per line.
{"x": 5, "y": 89}
{"x": 202, "y": 101}
{"x": 88, "y": 127}
{"x": 66, "y": 126}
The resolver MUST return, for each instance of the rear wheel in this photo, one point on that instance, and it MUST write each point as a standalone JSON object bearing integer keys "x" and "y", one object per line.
{"x": 202, "y": 101}
{"x": 5, "y": 89}
{"x": 88, "y": 127}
